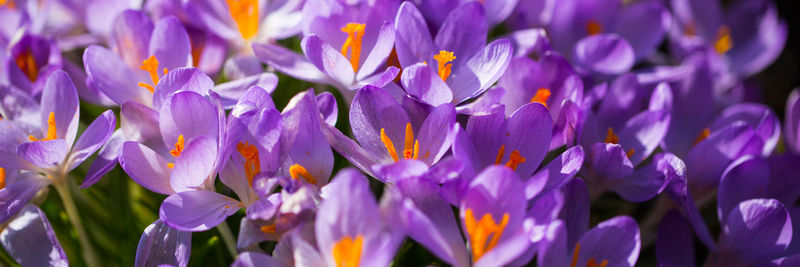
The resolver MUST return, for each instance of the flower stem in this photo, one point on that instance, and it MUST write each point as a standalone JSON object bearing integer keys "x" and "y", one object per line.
{"x": 65, "y": 192}
{"x": 227, "y": 237}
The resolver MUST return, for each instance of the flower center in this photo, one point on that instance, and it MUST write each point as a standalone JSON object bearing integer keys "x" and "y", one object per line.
{"x": 150, "y": 65}
{"x": 724, "y": 42}
{"x": 27, "y": 64}
{"x": 2, "y": 178}
{"x": 514, "y": 159}
{"x": 268, "y": 229}
{"x": 252, "y": 164}
{"x": 347, "y": 252}
{"x": 612, "y": 138}
{"x": 444, "y": 57}
{"x": 176, "y": 152}
{"x": 355, "y": 32}
{"x": 297, "y": 171}
{"x": 483, "y": 234}
{"x": 589, "y": 263}
{"x": 51, "y": 129}
{"x": 8, "y": 3}
{"x": 594, "y": 27}
{"x": 411, "y": 148}
{"x": 541, "y": 96}
{"x": 245, "y": 14}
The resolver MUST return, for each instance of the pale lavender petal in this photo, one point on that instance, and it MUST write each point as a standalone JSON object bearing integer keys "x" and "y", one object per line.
{"x": 196, "y": 210}
{"x": 757, "y": 230}
{"x": 329, "y": 60}
{"x": 109, "y": 74}
{"x": 161, "y": 244}
{"x": 289, "y": 62}
{"x": 44, "y": 154}
{"x": 170, "y": 44}
{"x": 420, "y": 82}
{"x": 623, "y": 232}
{"x": 146, "y": 167}
{"x": 92, "y": 138}
{"x": 383, "y": 47}
{"x": 30, "y": 240}
{"x": 482, "y": 70}
{"x": 194, "y": 165}
{"x": 181, "y": 79}
{"x": 188, "y": 114}
{"x": 605, "y": 54}
{"x": 61, "y": 98}
{"x": 14, "y": 196}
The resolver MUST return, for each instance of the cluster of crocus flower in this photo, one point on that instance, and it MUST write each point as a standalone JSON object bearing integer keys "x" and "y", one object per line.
{"x": 480, "y": 131}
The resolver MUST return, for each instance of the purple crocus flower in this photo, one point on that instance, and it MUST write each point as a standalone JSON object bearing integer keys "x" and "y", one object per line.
{"x": 747, "y": 36}
{"x": 29, "y": 63}
{"x": 791, "y": 124}
{"x": 457, "y": 64}
{"x": 619, "y": 137}
{"x": 49, "y": 148}
{"x": 436, "y": 11}
{"x": 304, "y": 155}
{"x": 350, "y": 228}
{"x": 531, "y": 14}
{"x": 608, "y": 36}
{"x": 388, "y": 132}
{"x": 344, "y": 44}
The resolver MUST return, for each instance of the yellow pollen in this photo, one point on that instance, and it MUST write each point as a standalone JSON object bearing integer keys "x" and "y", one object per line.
{"x": 268, "y": 229}
{"x": 27, "y": 64}
{"x": 724, "y": 42}
{"x": 245, "y": 14}
{"x": 411, "y": 149}
{"x": 355, "y": 32}
{"x": 611, "y": 138}
{"x": 541, "y": 96}
{"x": 179, "y": 145}
{"x": 593, "y": 27}
{"x": 592, "y": 262}
{"x": 197, "y": 51}
{"x": 51, "y": 129}
{"x": 150, "y": 65}
{"x": 252, "y": 164}
{"x": 170, "y": 165}
{"x": 483, "y": 234}
{"x": 8, "y": 3}
{"x": 630, "y": 152}
{"x": 2, "y": 178}
{"x": 702, "y": 136}
{"x": 389, "y": 145}
{"x": 444, "y": 57}
{"x": 347, "y": 252}
{"x": 297, "y": 171}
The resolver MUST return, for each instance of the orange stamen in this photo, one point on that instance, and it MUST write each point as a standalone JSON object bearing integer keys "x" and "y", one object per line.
{"x": 297, "y": 171}
{"x": 389, "y": 145}
{"x": 593, "y": 27}
{"x": 611, "y": 138}
{"x": 347, "y": 252}
{"x": 500, "y": 154}
{"x": 514, "y": 160}
{"x": 51, "y": 129}
{"x": 411, "y": 148}
{"x": 592, "y": 262}
{"x": 355, "y": 32}
{"x": 702, "y": 136}
{"x": 483, "y": 234}
{"x": 268, "y": 229}
{"x": 724, "y": 42}
{"x": 150, "y": 65}
{"x": 245, "y": 14}
{"x": 27, "y": 64}
{"x": 444, "y": 57}
{"x": 252, "y": 164}
{"x": 179, "y": 145}
{"x": 541, "y": 96}
{"x": 2, "y": 178}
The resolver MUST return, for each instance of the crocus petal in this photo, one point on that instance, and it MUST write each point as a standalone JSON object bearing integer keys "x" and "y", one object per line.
{"x": 463, "y": 32}
{"x": 146, "y": 167}
{"x": 738, "y": 184}
{"x": 709, "y": 158}
{"x": 763, "y": 120}
{"x": 643, "y": 133}
{"x": 575, "y": 210}
{"x": 196, "y": 210}
{"x": 605, "y": 54}
{"x": 497, "y": 190}
{"x": 109, "y": 74}
{"x": 10, "y": 138}
{"x": 289, "y": 62}
{"x": 643, "y": 24}
{"x": 622, "y": 231}
{"x": 262, "y": 209}
{"x": 302, "y": 140}
{"x": 757, "y": 230}
{"x": 92, "y": 138}
{"x": 18, "y": 105}
{"x": 161, "y": 244}
{"x": 792, "y": 121}
{"x": 328, "y": 108}
{"x": 644, "y": 183}
{"x": 329, "y": 60}
{"x": 44, "y": 154}
{"x": 170, "y": 44}
{"x": 106, "y": 160}
{"x": 253, "y": 259}
{"x": 30, "y": 240}
{"x": 434, "y": 135}
{"x": 481, "y": 70}
{"x": 188, "y": 114}
{"x": 14, "y": 196}
{"x": 181, "y": 79}
{"x": 610, "y": 161}
{"x": 399, "y": 171}
{"x": 61, "y": 98}
{"x": 233, "y": 90}
{"x": 556, "y": 173}
{"x": 130, "y": 36}
{"x": 349, "y": 149}
{"x": 420, "y": 82}
{"x": 759, "y": 37}
{"x": 529, "y": 131}
{"x": 675, "y": 244}
{"x": 194, "y": 165}
{"x": 414, "y": 43}
{"x": 380, "y": 51}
